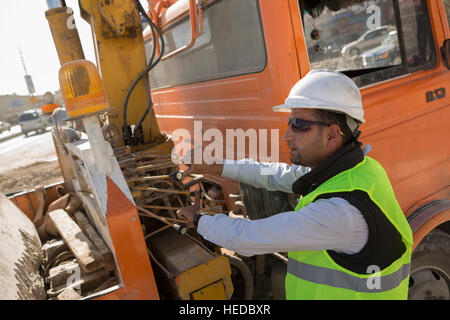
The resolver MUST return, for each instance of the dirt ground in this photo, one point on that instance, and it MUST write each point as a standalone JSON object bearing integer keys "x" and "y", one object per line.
{"x": 28, "y": 177}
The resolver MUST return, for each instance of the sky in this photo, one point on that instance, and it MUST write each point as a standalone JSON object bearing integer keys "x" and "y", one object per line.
{"x": 23, "y": 23}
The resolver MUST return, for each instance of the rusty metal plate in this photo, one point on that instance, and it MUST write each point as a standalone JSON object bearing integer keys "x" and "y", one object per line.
{"x": 120, "y": 15}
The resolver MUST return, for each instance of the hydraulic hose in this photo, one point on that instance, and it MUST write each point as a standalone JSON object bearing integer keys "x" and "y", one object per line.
{"x": 156, "y": 34}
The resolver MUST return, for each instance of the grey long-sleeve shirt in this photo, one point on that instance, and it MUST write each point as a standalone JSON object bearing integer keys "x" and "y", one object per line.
{"x": 325, "y": 224}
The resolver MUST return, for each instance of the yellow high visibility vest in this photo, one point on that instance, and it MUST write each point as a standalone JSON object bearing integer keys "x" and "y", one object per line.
{"x": 315, "y": 275}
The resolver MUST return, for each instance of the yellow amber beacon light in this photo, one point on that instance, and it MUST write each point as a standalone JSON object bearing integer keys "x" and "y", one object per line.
{"x": 82, "y": 89}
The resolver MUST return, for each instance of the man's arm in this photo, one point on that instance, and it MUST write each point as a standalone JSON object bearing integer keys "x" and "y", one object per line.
{"x": 326, "y": 224}
{"x": 271, "y": 176}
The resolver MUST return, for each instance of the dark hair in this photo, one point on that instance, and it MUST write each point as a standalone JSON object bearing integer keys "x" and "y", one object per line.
{"x": 336, "y": 118}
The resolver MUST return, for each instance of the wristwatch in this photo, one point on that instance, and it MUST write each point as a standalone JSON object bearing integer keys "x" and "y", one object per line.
{"x": 197, "y": 216}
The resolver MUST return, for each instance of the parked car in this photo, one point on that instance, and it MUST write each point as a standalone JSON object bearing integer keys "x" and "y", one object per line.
{"x": 368, "y": 40}
{"x": 31, "y": 120}
{"x": 386, "y": 54}
{"x": 4, "y": 126}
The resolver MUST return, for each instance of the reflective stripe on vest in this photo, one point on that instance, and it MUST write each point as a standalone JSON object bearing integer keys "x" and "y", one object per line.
{"x": 340, "y": 279}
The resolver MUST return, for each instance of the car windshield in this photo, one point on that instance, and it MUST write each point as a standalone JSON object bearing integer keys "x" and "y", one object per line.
{"x": 28, "y": 116}
{"x": 391, "y": 38}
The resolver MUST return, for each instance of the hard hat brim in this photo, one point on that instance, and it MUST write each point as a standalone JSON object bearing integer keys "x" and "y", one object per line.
{"x": 282, "y": 108}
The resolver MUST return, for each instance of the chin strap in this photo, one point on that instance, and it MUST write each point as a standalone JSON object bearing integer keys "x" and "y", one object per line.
{"x": 367, "y": 148}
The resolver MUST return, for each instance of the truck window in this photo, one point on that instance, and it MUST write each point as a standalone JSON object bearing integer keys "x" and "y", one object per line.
{"x": 447, "y": 10}
{"x": 370, "y": 41}
{"x": 232, "y": 44}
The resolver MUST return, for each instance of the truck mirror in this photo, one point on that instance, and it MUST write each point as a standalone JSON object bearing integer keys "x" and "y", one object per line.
{"x": 445, "y": 50}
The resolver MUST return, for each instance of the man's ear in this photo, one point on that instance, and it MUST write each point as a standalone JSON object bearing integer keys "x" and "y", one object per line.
{"x": 334, "y": 133}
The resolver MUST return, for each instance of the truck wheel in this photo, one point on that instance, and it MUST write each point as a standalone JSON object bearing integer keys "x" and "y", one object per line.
{"x": 354, "y": 52}
{"x": 242, "y": 279}
{"x": 430, "y": 268}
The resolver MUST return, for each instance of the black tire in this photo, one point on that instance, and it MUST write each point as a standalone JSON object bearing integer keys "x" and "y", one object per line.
{"x": 354, "y": 52}
{"x": 242, "y": 279}
{"x": 430, "y": 268}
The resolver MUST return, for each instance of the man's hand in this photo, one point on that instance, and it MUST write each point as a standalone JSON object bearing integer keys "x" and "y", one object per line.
{"x": 188, "y": 213}
{"x": 203, "y": 168}
{"x": 212, "y": 169}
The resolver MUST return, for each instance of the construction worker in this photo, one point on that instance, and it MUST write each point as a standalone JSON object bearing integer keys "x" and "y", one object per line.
{"x": 347, "y": 237}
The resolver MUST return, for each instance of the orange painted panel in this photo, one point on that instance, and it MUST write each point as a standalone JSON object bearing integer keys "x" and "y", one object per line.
{"x": 130, "y": 248}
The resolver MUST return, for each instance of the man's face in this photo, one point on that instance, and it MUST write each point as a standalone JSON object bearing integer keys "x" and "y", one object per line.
{"x": 311, "y": 146}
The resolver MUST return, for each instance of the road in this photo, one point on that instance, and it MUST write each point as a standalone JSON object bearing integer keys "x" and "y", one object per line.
{"x": 14, "y": 131}
{"x": 22, "y": 151}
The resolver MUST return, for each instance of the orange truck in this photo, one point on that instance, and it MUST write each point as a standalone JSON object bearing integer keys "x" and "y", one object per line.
{"x": 216, "y": 68}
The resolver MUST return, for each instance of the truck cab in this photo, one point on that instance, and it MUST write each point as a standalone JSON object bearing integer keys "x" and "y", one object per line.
{"x": 247, "y": 56}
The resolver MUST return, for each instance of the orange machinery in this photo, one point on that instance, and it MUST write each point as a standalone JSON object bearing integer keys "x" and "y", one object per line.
{"x": 224, "y": 65}
{"x": 110, "y": 230}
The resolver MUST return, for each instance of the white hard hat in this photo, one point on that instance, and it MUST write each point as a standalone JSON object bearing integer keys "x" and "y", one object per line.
{"x": 327, "y": 90}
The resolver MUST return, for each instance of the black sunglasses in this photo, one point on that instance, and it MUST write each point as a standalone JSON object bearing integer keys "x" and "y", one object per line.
{"x": 300, "y": 125}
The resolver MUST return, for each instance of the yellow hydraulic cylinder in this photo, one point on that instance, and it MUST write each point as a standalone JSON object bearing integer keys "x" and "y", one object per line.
{"x": 68, "y": 46}
{"x": 119, "y": 46}
{"x": 65, "y": 34}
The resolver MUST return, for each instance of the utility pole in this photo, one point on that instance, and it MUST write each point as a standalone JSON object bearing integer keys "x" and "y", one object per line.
{"x": 28, "y": 80}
